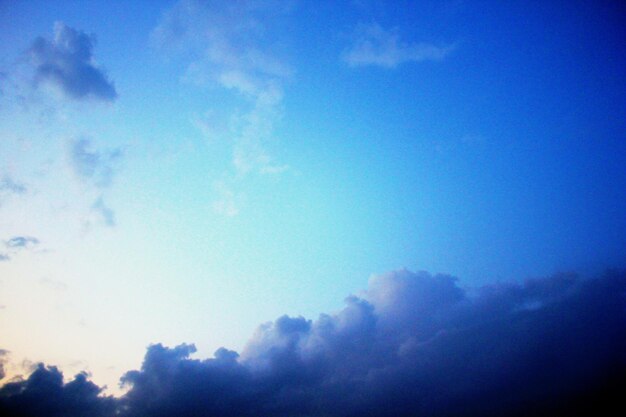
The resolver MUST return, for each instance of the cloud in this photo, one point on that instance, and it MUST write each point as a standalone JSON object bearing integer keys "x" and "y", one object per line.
{"x": 374, "y": 45}
{"x": 231, "y": 45}
{"x": 21, "y": 242}
{"x": 44, "y": 394}
{"x": 411, "y": 344}
{"x": 103, "y": 212}
{"x": 67, "y": 62}
{"x": 8, "y": 187}
{"x": 90, "y": 165}
{"x": 3, "y": 360}
{"x": 18, "y": 244}
{"x": 95, "y": 168}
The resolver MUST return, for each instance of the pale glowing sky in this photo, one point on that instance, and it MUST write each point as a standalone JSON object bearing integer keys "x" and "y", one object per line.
{"x": 188, "y": 170}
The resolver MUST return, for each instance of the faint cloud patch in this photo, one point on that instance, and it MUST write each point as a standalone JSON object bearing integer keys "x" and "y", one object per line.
{"x": 17, "y": 244}
{"x": 374, "y": 45}
{"x": 103, "y": 213}
{"x": 67, "y": 62}
{"x": 228, "y": 201}
{"x": 90, "y": 165}
{"x": 22, "y": 242}
{"x": 53, "y": 284}
{"x": 230, "y": 45}
{"x": 95, "y": 168}
{"x": 10, "y": 187}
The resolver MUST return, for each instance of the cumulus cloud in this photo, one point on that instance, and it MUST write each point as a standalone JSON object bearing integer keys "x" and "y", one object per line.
{"x": 44, "y": 394}
{"x": 67, "y": 62}
{"x": 374, "y": 45}
{"x": 412, "y": 344}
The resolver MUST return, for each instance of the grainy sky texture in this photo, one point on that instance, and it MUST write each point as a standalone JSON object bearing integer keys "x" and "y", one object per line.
{"x": 174, "y": 174}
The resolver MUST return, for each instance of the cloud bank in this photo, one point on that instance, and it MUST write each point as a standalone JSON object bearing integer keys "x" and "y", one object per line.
{"x": 67, "y": 62}
{"x": 412, "y": 344}
{"x": 376, "y": 46}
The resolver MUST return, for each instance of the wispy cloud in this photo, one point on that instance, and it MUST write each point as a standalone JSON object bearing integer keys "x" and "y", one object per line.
{"x": 103, "y": 212}
{"x": 95, "y": 168}
{"x": 22, "y": 242}
{"x": 9, "y": 187}
{"x": 17, "y": 244}
{"x": 91, "y": 165}
{"x": 7, "y": 184}
{"x": 411, "y": 344}
{"x": 229, "y": 44}
{"x": 374, "y": 45}
{"x": 67, "y": 62}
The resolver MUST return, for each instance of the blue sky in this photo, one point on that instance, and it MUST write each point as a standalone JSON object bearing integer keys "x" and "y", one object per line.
{"x": 182, "y": 166}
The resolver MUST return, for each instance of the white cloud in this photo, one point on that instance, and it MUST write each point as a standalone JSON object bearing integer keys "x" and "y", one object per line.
{"x": 376, "y": 46}
{"x": 229, "y": 45}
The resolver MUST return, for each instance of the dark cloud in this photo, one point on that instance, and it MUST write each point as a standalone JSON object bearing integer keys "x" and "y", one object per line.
{"x": 91, "y": 165}
{"x": 67, "y": 62}
{"x": 412, "y": 344}
{"x": 44, "y": 394}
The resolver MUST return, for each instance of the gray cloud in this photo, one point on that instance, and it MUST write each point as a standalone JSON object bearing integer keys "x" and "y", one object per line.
{"x": 67, "y": 62}
{"x": 44, "y": 394}
{"x": 412, "y": 344}
{"x": 374, "y": 45}
{"x": 3, "y": 360}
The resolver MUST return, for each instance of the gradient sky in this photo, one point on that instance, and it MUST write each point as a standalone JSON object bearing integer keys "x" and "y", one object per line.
{"x": 170, "y": 168}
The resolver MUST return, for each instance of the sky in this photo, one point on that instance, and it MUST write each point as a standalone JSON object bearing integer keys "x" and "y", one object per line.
{"x": 174, "y": 174}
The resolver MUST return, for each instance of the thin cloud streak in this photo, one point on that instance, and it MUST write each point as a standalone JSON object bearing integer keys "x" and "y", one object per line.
{"x": 374, "y": 45}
